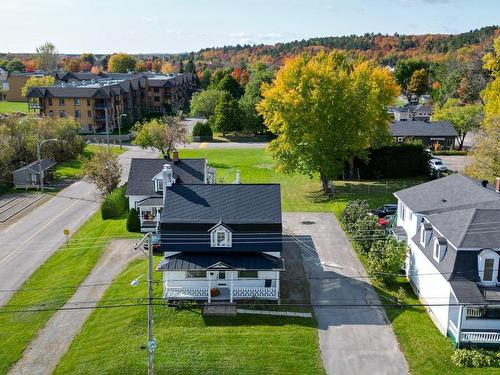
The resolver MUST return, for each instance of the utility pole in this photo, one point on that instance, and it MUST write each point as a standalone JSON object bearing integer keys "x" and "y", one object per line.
{"x": 38, "y": 146}
{"x": 120, "y": 129}
{"x": 151, "y": 341}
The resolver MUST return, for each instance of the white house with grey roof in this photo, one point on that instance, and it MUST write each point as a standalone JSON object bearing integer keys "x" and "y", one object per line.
{"x": 145, "y": 186}
{"x": 452, "y": 226}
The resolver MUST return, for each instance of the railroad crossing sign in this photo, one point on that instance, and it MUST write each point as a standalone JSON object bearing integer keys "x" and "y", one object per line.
{"x": 152, "y": 345}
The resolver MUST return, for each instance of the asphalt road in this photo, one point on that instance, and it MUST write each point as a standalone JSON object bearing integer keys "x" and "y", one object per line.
{"x": 353, "y": 340}
{"x": 30, "y": 241}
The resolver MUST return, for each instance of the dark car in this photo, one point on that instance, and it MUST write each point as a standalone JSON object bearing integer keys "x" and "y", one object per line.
{"x": 386, "y": 209}
{"x": 155, "y": 241}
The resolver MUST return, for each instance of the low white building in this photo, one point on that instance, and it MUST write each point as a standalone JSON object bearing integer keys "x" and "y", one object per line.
{"x": 452, "y": 226}
{"x": 221, "y": 241}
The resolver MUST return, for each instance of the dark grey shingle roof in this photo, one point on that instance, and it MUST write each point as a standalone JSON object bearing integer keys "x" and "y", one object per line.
{"x": 142, "y": 171}
{"x": 33, "y": 166}
{"x": 232, "y": 204}
{"x": 203, "y": 261}
{"x": 151, "y": 202}
{"x": 422, "y": 129}
{"x": 466, "y": 290}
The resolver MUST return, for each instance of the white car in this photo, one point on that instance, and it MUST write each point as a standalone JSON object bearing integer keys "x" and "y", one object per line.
{"x": 437, "y": 165}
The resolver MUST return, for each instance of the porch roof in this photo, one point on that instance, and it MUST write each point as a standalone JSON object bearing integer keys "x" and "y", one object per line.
{"x": 221, "y": 261}
{"x": 151, "y": 202}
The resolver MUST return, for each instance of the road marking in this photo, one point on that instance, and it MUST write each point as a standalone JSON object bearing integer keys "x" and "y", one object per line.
{"x": 203, "y": 145}
{"x": 45, "y": 226}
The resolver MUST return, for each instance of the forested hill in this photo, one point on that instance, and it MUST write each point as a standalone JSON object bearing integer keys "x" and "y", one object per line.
{"x": 387, "y": 49}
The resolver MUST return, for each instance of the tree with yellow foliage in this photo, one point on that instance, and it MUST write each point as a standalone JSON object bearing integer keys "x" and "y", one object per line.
{"x": 326, "y": 110}
{"x": 167, "y": 67}
{"x": 121, "y": 63}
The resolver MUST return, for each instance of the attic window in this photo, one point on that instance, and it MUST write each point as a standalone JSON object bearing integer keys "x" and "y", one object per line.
{"x": 425, "y": 234}
{"x": 221, "y": 237}
{"x": 439, "y": 249}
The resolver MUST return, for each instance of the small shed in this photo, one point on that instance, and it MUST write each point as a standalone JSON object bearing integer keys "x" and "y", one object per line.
{"x": 429, "y": 133}
{"x": 28, "y": 176}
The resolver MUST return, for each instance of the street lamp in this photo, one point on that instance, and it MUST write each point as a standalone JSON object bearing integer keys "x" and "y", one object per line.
{"x": 134, "y": 283}
{"x": 38, "y": 146}
{"x": 120, "y": 129}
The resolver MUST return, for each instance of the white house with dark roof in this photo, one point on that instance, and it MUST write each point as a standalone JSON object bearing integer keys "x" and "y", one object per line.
{"x": 145, "y": 184}
{"x": 221, "y": 241}
{"x": 452, "y": 226}
{"x": 428, "y": 133}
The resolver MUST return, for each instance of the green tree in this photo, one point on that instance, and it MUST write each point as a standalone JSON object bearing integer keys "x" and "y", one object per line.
{"x": 190, "y": 67}
{"x": 405, "y": 69}
{"x": 121, "y": 63}
{"x": 162, "y": 134}
{"x": 37, "y": 82}
{"x": 88, "y": 57}
{"x": 15, "y": 66}
{"x": 104, "y": 62}
{"x": 205, "y": 78}
{"x": 103, "y": 169}
{"x": 464, "y": 118}
{"x": 353, "y": 211}
{"x": 419, "y": 82}
{"x": 47, "y": 57}
{"x": 227, "y": 117}
{"x": 325, "y": 111}
{"x": 203, "y": 103}
{"x": 385, "y": 259}
{"x": 229, "y": 84}
{"x": 217, "y": 76}
{"x": 133, "y": 222}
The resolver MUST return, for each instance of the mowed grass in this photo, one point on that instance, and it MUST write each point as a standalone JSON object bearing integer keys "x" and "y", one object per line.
{"x": 72, "y": 169}
{"x": 299, "y": 193}
{"x": 52, "y": 285}
{"x": 188, "y": 343}
{"x": 7, "y": 107}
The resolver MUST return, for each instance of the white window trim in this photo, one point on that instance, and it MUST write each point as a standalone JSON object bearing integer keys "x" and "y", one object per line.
{"x": 481, "y": 260}
{"x": 441, "y": 250}
{"x": 227, "y": 242}
{"x": 402, "y": 211}
{"x": 425, "y": 235}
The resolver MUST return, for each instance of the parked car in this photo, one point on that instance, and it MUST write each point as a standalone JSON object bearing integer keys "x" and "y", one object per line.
{"x": 385, "y": 221}
{"x": 386, "y": 209}
{"x": 437, "y": 165}
{"x": 155, "y": 241}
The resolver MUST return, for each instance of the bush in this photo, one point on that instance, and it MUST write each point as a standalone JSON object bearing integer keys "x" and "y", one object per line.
{"x": 385, "y": 259}
{"x": 202, "y": 129}
{"x": 450, "y": 152}
{"x": 353, "y": 211}
{"x": 115, "y": 204}
{"x": 133, "y": 222}
{"x": 366, "y": 231}
{"x": 474, "y": 358}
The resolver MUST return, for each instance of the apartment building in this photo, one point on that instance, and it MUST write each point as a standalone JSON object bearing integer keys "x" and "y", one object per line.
{"x": 168, "y": 93}
{"x": 97, "y": 100}
{"x": 16, "y": 82}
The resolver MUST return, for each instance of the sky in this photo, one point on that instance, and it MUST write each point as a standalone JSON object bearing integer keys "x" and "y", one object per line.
{"x": 173, "y": 26}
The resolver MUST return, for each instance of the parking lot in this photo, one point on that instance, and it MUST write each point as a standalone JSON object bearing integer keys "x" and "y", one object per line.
{"x": 13, "y": 204}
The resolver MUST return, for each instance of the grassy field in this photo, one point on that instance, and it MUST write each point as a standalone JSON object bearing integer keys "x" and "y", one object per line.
{"x": 52, "y": 285}
{"x": 6, "y": 107}
{"x": 188, "y": 343}
{"x": 299, "y": 193}
{"x": 72, "y": 169}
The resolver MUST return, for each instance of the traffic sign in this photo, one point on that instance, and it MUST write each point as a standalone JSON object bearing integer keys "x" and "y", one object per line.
{"x": 152, "y": 345}
{"x": 66, "y": 232}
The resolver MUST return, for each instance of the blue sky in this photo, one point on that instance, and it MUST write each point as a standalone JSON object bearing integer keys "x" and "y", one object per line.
{"x": 146, "y": 26}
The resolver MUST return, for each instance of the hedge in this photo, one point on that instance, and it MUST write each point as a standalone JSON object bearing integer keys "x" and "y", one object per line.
{"x": 395, "y": 161}
{"x": 133, "y": 222}
{"x": 115, "y": 204}
{"x": 202, "y": 129}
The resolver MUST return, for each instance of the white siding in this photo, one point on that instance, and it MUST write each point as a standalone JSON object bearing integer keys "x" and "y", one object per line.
{"x": 132, "y": 199}
{"x": 409, "y": 220}
{"x": 431, "y": 286}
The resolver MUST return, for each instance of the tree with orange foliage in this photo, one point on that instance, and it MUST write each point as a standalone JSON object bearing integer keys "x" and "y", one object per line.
{"x": 29, "y": 66}
{"x": 95, "y": 70}
{"x": 167, "y": 67}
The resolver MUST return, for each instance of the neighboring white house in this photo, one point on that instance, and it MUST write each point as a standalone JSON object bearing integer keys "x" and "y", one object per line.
{"x": 4, "y": 84}
{"x": 452, "y": 226}
{"x": 221, "y": 241}
{"x": 144, "y": 186}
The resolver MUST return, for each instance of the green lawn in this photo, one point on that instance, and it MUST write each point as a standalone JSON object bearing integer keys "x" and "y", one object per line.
{"x": 52, "y": 285}
{"x": 188, "y": 343}
{"x": 13, "y": 107}
{"x": 299, "y": 193}
{"x": 72, "y": 169}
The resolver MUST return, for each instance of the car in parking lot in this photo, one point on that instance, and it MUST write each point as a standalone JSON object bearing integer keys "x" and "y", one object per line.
{"x": 385, "y": 221}
{"x": 437, "y": 165}
{"x": 386, "y": 209}
{"x": 155, "y": 241}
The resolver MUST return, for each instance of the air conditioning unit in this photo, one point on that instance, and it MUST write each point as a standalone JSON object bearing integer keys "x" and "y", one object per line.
{"x": 401, "y": 139}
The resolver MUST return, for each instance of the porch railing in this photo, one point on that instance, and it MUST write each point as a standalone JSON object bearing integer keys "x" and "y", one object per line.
{"x": 187, "y": 293}
{"x": 480, "y": 337}
{"x": 255, "y": 292}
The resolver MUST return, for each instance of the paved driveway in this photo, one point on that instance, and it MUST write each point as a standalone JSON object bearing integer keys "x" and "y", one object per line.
{"x": 28, "y": 242}
{"x": 455, "y": 163}
{"x": 353, "y": 340}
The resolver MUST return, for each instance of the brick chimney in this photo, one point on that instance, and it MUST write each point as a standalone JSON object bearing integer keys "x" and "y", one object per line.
{"x": 497, "y": 185}
{"x": 175, "y": 156}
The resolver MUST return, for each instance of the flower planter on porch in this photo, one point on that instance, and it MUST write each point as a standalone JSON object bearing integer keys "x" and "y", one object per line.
{"x": 214, "y": 292}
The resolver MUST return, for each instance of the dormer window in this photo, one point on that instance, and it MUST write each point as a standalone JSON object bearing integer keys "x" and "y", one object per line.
{"x": 425, "y": 234}
{"x": 488, "y": 267}
{"x": 220, "y": 236}
{"x": 439, "y": 249}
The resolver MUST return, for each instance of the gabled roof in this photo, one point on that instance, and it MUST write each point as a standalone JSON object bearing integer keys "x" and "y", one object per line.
{"x": 142, "y": 171}
{"x": 232, "y": 204}
{"x": 220, "y": 260}
{"x": 422, "y": 129}
{"x": 33, "y": 166}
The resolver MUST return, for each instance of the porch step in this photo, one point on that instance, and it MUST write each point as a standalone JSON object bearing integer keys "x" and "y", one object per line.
{"x": 219, "y": 309}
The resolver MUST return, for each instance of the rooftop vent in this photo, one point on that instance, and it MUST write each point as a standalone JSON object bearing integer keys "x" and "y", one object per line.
{"x": 443, "y": 200}
{"x": 484, "y": 183}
